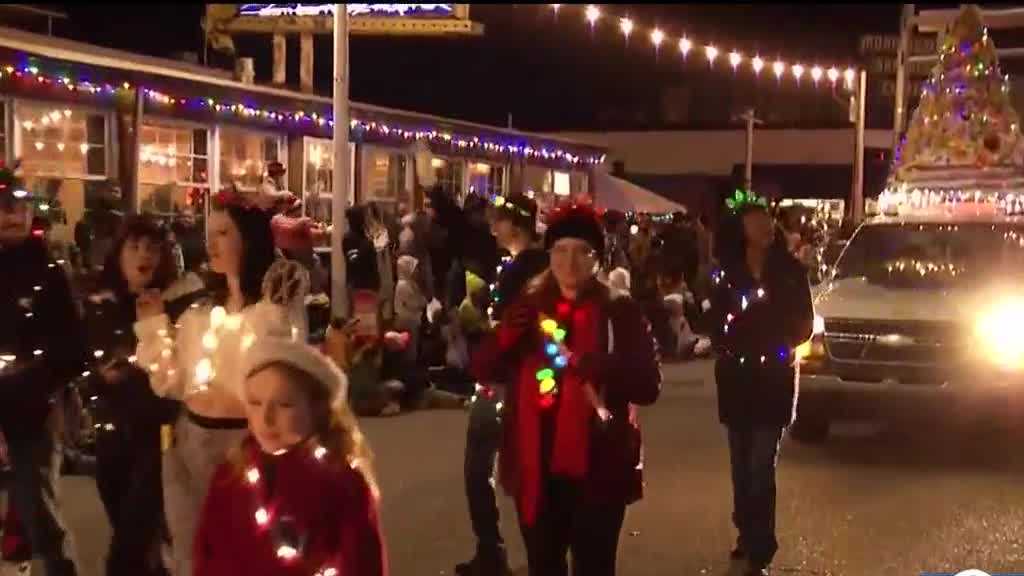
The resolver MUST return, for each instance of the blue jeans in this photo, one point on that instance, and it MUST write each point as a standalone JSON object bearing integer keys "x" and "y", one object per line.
{"x": 482, "y": 441}
{"x": 35, "y": 462}
{"x": 753, "y": 455}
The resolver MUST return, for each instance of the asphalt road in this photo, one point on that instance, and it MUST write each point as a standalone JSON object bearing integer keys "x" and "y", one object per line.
{"x": 929, "y": 491}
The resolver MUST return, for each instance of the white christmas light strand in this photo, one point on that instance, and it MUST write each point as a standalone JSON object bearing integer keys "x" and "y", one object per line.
{"x": 594, "y": 14}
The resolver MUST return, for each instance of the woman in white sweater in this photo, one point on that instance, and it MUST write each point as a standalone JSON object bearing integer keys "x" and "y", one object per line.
{"x": 197, "y": 360}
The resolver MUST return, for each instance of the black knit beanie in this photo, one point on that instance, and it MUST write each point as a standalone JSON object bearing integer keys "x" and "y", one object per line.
{"x": 575, "y": 221}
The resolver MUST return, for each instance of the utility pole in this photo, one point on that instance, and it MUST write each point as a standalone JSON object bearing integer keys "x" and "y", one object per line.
{"x": 748, "y": 172}
{"x": 906, "y": 31}
{"x": 342, "y": 167}
{"x": 857, "y": 188}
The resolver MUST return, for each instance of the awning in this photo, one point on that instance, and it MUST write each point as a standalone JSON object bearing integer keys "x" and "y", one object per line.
{"x": 613, "y": 193}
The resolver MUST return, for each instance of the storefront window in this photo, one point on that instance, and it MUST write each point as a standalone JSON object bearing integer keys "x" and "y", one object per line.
{"x": 63, "y": 152}
{"x": 62, "y": 141}
{"x": 318, "y": 180}
{"x": 173, "y": 170}
{"x": 580, "y": 186}
{"x": 449, "y": 176}
{"x": 562, "y": 185}
{"x": 244, "y": 155}
{"x": 384, "y": 176}
{"x": 486, "y": 179}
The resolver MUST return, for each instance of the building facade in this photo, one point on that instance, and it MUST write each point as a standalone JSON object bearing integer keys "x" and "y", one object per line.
{"x": 88, "y": 123}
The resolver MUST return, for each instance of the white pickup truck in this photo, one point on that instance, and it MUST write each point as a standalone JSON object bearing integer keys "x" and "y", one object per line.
{"x": 917, "y": 307}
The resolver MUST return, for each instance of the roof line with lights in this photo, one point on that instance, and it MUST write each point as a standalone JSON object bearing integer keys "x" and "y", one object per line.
{"x": 516, "y": 144}
{"x": 686, "y": 44}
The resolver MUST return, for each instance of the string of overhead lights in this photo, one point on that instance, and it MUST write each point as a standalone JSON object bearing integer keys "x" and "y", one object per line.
{"x": 687, "y": 46}
{"x": 443, "y": 137}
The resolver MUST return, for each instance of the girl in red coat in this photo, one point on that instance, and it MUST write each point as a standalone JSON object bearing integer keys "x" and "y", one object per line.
{"x": 298, "y": 497}
{"x": 580, "y": 357}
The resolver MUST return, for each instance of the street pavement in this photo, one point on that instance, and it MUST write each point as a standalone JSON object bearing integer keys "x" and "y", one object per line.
{"x": 925, "y": 490}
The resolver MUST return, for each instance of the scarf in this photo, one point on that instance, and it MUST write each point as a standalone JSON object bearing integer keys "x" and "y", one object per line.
{"x": 573, "y": 412}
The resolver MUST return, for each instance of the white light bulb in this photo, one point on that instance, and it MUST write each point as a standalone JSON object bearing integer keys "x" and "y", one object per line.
{"x": 848, "y": 77}
{"x": 262, "y": 517}
{"x": 593, "y": 13}
{"x": 757, "y": 64}
{"x": 684, "y": 46}
{"x": 735, "y": 59}
{"x": 798, "y": 71}
{"x": 252, "y": 475}
{"x": 711, "y": 53}
{"x": 656, "y": 37}
{"x": 816, "y": 73}
{"x": 779, "y": 68}
{"x": 84, "y": 148}
{"x": 833, "y": 75}
{"x": 626, "y": 25}
{"x": 556, "y": 7}
{"x": 40, "y": 145}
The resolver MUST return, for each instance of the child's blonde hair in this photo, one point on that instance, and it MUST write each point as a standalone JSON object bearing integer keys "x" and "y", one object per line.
{"x": 334, "y": 426}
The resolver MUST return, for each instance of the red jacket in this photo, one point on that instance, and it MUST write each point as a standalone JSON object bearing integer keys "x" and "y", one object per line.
{"x": 322, "y": 507}
{"x": 612, "y": 350}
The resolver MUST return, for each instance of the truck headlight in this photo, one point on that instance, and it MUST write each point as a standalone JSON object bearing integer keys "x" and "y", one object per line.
{"x": 815, "y": 347}
{"x": 999, "y": 335}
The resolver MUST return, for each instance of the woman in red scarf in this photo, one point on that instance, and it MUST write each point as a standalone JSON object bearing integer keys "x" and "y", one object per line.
{"x": 581, "y": 359}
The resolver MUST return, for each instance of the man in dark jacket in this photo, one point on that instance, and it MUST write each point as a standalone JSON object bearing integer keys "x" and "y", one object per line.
{"x": 514, "y": 223}
{"x": 41, "y": 350}
{"x": 761, "y": 311}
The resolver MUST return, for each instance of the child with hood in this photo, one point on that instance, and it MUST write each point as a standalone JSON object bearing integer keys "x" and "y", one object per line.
{"x": 410, "y": 303}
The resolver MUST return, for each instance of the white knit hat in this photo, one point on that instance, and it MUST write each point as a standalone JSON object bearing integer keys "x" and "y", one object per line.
{"x": 301, "y": 356}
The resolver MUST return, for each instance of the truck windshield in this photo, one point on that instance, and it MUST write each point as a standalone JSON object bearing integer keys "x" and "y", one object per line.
{"x": 933, "y": 255}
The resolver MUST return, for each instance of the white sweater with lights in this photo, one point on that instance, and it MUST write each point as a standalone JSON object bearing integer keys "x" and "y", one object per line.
{"x": 203, "y": 351}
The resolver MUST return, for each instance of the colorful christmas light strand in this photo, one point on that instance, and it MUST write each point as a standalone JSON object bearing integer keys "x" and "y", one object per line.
{"x": 512, "y": 146}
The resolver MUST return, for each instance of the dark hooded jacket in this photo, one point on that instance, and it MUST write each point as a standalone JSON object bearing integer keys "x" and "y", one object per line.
{"x": 756, "y": 326}
{"x": 360, "y": 255}
{"x": 41, "y": 336}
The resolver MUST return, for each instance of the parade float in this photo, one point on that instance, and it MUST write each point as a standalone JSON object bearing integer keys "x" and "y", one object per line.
{"x": 963, "y": 149}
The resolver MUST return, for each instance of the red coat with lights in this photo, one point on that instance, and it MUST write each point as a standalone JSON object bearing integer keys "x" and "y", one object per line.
{"x": 611, "y": 349}
{"x": 322, "y": 510}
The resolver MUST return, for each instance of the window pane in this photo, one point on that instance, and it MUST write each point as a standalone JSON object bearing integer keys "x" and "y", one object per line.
{"x": 96, "y": 127}
{"x": 199, "y": 142}
{"x": 59, "y": 141}
{"x": 172, "y": 170}
{"x": 244, "y": 156}
{"x": 319, "y": 183}
{"x": 270, "y": 149}
{"x": 96, "y": 162}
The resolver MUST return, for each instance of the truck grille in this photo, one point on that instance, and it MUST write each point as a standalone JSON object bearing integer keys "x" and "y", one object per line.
{"x": 911, "y": 343}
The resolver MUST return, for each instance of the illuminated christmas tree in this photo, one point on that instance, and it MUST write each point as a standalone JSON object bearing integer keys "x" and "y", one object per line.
{"x": 965, "y": 134}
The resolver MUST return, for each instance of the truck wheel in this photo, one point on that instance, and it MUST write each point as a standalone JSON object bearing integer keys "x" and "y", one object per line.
{"x": 810, "y": 429}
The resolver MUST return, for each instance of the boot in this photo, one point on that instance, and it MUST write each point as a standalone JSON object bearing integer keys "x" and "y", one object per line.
{"x": 485, "y": 565}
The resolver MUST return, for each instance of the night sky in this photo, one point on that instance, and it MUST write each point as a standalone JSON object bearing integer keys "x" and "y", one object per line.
{"x": 548, "y": 74}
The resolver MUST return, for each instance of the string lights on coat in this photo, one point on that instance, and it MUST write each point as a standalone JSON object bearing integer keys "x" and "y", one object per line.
{"x": 594, "y": 14}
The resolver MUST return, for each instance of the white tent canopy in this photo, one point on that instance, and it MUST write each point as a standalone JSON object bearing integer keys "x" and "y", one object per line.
{"x": 613, "y": 193}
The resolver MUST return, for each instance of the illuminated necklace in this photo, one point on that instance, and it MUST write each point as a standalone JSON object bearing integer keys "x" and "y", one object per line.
{"x": 557, "y": 355}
